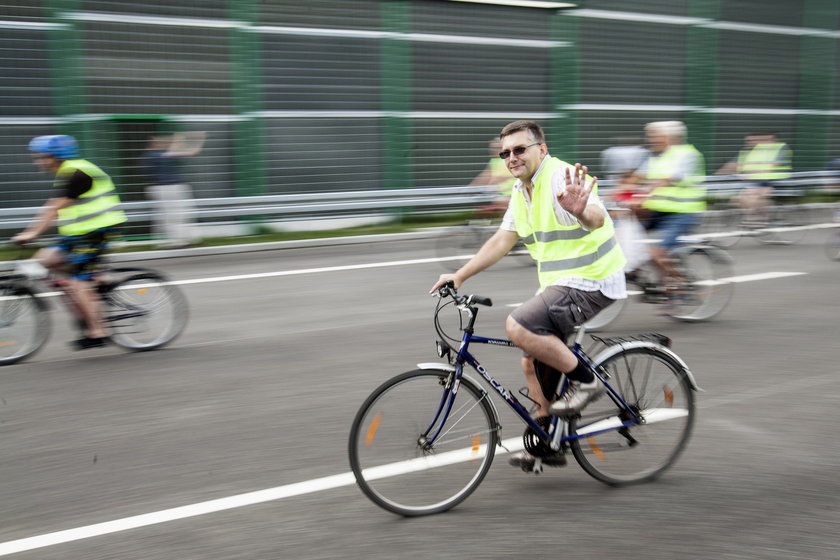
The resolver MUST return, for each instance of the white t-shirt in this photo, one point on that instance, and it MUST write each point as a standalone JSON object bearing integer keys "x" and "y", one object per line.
{"x": 614, "y": 285}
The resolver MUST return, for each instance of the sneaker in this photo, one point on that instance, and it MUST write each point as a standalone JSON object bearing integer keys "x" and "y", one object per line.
{"x": 526, "y": 461}
{"x": 86, "y": 342}
{"x": 581, "y": 395}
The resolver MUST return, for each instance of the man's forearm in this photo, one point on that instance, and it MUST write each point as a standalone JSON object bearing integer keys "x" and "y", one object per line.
{"x": 45, "y": 219}
{"x": 592, "y": 217}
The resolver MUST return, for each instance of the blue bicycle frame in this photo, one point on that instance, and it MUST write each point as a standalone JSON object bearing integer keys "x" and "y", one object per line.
{"x": 451, "y": 389}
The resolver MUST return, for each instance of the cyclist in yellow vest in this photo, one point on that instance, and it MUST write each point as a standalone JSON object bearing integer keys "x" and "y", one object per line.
{"x": 677, "y": 199}
{"x": 86, "y": 207}
{"x": 496, "y": 176}
{"x": 765, "y": 161}
{"x": 555, "y": 209}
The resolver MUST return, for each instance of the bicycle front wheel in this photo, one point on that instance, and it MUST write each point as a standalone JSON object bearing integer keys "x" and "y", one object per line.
{"x": 393, "y": 462}
{"x": 605, "y": 316}
{"x": 787, "y": 226}
{"x": 144, "y": 311}
{"x": 613, "y": 448}
{"x": 720, "y": 227}
{"x": 707, "y": 287}
{"x": 24, "y": 323}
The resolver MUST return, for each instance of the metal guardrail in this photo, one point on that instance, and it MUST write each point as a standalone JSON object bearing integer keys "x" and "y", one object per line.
{"x": 799, "y": 184}
{"x": 275, "y": 208}
{"x": 296, "y": 206}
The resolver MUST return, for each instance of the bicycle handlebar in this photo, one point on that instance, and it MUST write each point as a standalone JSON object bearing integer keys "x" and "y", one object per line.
{"x": 448, "y": 290}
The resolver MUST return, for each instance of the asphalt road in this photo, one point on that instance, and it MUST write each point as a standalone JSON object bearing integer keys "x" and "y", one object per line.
{"x": 225, "y": 445}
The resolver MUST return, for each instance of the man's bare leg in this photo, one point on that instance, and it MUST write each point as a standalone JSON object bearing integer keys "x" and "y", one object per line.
{"x": 548, "y": 349}
{"x": 84, "y": 297}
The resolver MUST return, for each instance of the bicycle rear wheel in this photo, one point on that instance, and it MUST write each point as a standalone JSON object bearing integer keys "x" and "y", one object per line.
{"x": 388, "y": 453}
{"x": 144, "y": 311}
{"x": 655, "y": 386}
{"x": 708, "y": 290}
{"x": 24, "y": 323}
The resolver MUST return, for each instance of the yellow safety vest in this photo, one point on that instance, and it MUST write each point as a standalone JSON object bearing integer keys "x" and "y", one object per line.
{"x": 687, "y": 195}
{"x": 95, "y": 209}
{"x": 563, "y": 251}
{"x": 762, "y": 163}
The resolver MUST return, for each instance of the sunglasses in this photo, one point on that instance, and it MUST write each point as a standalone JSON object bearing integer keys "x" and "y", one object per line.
{"x": 517, "y": 151}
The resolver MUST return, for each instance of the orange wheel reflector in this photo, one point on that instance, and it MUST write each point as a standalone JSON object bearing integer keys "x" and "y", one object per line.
{"x": 142, "y": 290}
{"x": 476, "y": 444}
{"x": 669, "y": 396}
{"x": 8, "y": 342}
{"x": 595, "y": 449}
{"x": 371, "y": 433}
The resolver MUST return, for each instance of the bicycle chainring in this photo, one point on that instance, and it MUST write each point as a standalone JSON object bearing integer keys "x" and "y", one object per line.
{"x": 533, "y": 444}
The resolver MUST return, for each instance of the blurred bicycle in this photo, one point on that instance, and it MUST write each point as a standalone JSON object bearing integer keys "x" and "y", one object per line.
{"x": 701, "y": 293}
{"x": 785, "y": 224}
{"x": 141, "y": 309}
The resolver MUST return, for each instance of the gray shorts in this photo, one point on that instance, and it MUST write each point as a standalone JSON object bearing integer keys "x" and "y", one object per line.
{"x": 559, "y": 309}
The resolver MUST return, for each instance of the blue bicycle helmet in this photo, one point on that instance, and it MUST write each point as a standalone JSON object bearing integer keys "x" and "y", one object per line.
{"x": 56, "y": 145}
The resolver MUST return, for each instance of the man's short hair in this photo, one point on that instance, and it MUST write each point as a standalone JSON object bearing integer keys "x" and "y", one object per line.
{"x": 533, "y": 129}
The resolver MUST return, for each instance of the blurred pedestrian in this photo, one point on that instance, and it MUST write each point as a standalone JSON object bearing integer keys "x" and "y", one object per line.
{"x": 86, "y": 206}
{"x": 566, "y": 229}
{"x": 171, "y": 194}
{"x": 676, "y": 199}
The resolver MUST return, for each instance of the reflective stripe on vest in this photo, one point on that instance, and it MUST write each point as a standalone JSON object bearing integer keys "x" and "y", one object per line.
{"x": 563, "y": 251}
{"x": 686, "y": 195}
{"x": 95, "y": 209}
{"x": 762, "y": 162}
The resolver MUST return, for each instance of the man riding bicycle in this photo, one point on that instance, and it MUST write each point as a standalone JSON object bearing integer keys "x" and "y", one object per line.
{"x": 676, "y": 200}
{"x": 86, "y": 207}
{"x": 566, "y": 229}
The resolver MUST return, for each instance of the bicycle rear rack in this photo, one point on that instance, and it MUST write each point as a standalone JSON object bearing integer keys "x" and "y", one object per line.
{"x": 606, "y": 341}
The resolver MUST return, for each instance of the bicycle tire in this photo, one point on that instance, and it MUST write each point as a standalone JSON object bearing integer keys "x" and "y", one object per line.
{"x": 24, "y": 322}
{"x": 706, "y": 269}
{"x": 606, "y": 316}
{"x": 144, "y": 311}
{"x": 787, "y": 226}
{"x": 389, "y": 461}
{"x": 653, "y": 383}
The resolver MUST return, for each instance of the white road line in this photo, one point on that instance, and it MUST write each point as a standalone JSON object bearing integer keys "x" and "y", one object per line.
{"x": 221, "y": 504}
{"x": 762, "y": 276}
{"x": 321, "y": 484}
{"x": 299, "y": 488}
{"x": 314, "y": 270}
{"x": 733, "y": 279}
